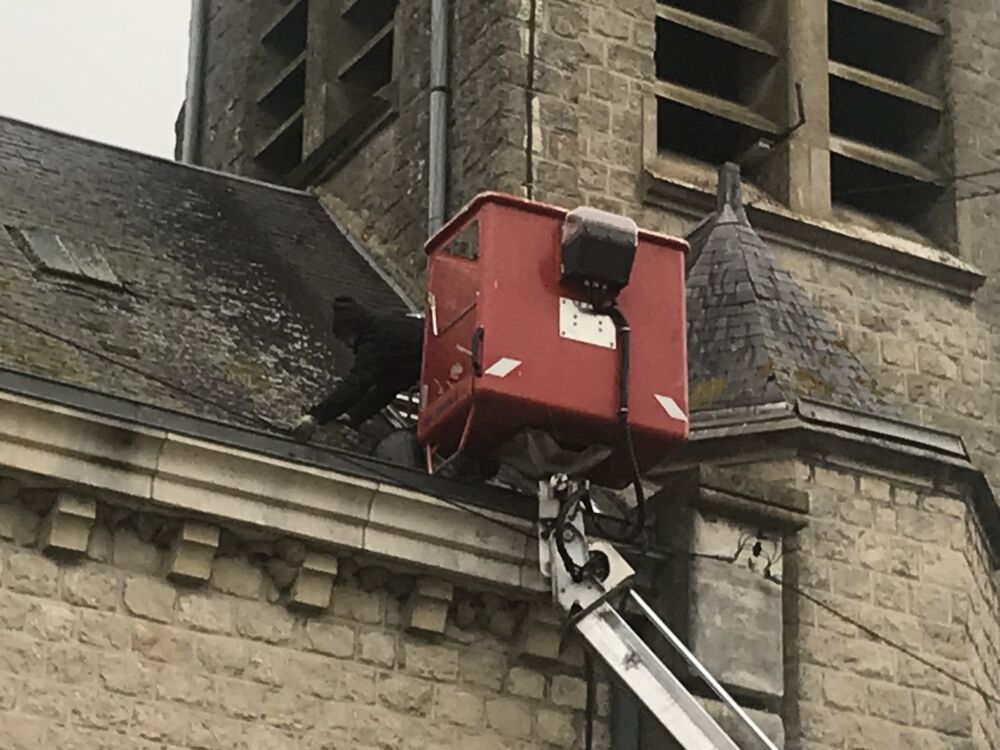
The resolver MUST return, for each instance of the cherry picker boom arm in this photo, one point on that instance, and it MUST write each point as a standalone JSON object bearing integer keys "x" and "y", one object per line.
{"x": 584, "y": 577}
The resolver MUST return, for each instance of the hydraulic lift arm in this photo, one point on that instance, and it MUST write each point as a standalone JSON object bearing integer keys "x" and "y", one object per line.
{"x": 585, "y": 576}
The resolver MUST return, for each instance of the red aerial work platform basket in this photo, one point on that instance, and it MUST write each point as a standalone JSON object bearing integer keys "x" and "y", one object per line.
{"x": 510, "y": 346}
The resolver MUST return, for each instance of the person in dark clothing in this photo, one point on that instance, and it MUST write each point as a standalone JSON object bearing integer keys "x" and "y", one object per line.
{"x": 387, "y": 350}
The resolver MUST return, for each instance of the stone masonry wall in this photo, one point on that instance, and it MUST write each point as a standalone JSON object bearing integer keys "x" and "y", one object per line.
{"x": 381, "y": 191}
{"x": 234, "y": 74}
{"x": 933, "y": 352}
{"x": 901, "y": 557}
{"x": 105, "y": 652}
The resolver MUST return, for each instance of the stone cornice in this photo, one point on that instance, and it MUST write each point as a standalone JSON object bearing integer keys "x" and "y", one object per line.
{"x": 116, "y": 458}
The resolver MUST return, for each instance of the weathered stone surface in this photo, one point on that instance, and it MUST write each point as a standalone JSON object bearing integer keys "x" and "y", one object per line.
{"x": 556, "y": 728}
{"x": 206, "y": 613}
{"x": 149, "y": 598}
{"x": 30, "y": 573}
{"x": 263, "y": 622}
{"x": 356, "y": 604}
{"x": 237, "y": 577}
{"x": 510, "y": 717}
{"x": 541, "y": 634}
{"x": 334, "y": 640}
{"x": 313, "y": 584}
{"x": 131, "y": 553}
{"x": 428, "y": 606}
{"x": 426, "y": 660}
{"x": 458, "y": 706}
{"x": 98, "y": 588}
{"x": 68, "y": 524}
{"x": 18, "y": 523}
{"x": 483, "y": 668}
{"x": 526, "y": 683}
{"x": 377, "y": 648}
{"x": 192, "y": 552}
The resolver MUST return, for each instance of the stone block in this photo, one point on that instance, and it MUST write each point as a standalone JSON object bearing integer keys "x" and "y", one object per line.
{"x": 313, "y": 585}
{"x": 101, "y": 543}
{"x": 556, "y": 728}
{"x": 332, "y": 640}
{"x": 378, "y": 648}
{"x": 149, "y": 598}
{"x": 18, "y": 523}
{"x": 405, "y": 694}
{"x": 192, "y": 552}
{"x": 264, "y": 622}
{"x": 160, "y": 643}
{"x": 568, "y": 691}
{"x": 526, "y": 683}
{"x": 483, "y": 668}
{"x": 237, "y": 577}
{"x": 103, "y": 630}
{"x": 541, "y": 634}
{"x": 510, "y": 717}
{"x": 30, "y": 573}
{"x": 735, "y": 615}
{"x": 53, "y": 621}
{"x": 90, "y": 586}
{"x": 457, "y": 706}
{"x": 431, "y": 661}
{"x": 68, "y": 524}
{"x": 427, "y": 607}
{"x": 357, "y": 604}
{"x": 206, "y": 613}
{"x": 131, "y": 553}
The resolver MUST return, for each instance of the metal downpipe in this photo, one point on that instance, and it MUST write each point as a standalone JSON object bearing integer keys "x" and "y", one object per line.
{"x": 437, "y": 183}
{"x": 194, "y": 98}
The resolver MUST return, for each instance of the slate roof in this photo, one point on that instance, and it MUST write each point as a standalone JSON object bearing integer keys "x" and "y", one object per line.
{"x": 223, "y": 310}
{"x": 754, "y": 338}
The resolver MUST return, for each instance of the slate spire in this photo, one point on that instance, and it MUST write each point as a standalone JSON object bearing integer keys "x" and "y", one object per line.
{"x": 754, "y": 338}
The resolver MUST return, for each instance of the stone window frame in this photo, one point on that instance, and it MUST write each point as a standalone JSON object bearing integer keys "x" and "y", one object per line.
{"x": 330, "y": 140}
{"x": 793, "y": 199}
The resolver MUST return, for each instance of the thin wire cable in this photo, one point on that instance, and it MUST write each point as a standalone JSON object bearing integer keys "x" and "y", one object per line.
{"x": 872, "y": 633}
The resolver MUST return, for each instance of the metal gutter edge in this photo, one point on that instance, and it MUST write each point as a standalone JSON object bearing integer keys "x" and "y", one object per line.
{"x": 883, "y": 427}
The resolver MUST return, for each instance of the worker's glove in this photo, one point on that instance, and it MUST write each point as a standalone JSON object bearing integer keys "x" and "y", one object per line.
{"x": 305, "y": 428}
{"x": 345, "y": 421}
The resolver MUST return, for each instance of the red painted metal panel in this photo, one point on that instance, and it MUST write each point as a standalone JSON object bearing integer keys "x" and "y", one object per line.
{"x": 531, "y": 376}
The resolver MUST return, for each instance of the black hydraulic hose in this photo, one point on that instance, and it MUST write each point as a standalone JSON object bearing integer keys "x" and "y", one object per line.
{"x": 566, "y": 509}
{"x": 624, "y": 342}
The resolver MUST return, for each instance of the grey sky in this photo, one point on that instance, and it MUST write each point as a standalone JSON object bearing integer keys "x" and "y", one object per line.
{"x": 109, "y": 70}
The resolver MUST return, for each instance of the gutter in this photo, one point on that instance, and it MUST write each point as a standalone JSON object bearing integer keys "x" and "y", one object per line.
{"x": 195, "y": 96}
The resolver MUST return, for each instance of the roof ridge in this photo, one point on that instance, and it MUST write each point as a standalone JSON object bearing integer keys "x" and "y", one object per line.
{"x": 154, "y": 157}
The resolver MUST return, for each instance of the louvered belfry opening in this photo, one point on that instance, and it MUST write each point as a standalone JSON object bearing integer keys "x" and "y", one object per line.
{"x": 720, "y": 87}
{"x": 281, "y": 100}
{"x": 887, "y": 124}
{"x": 362, "y": 44}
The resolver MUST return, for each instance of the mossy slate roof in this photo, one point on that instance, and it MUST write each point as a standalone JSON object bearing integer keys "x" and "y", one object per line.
{"x": 226, "y": 287}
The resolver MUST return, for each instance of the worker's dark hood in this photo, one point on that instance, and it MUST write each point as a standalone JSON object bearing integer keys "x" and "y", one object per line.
{"x": 349, "y": 317}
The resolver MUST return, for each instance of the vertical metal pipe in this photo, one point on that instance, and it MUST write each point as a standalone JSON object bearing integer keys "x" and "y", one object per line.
{"x": 437, "y": 183}
{"x": 190, "y": 145}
